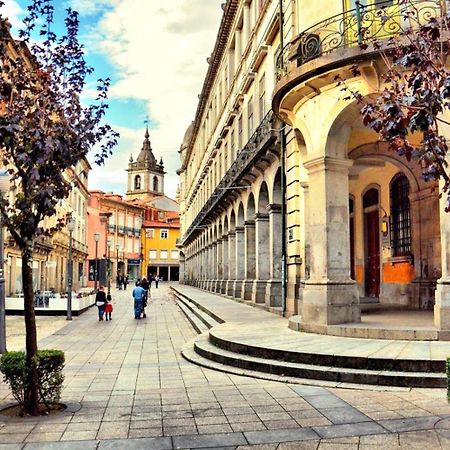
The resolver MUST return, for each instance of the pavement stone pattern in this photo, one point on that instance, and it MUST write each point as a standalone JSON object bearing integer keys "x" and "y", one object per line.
{"x": 129, "y": 387}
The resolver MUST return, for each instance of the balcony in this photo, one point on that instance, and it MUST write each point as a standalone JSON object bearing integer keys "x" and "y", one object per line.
{"x": 258, "y": 144}
{"x": 340, "y": 39}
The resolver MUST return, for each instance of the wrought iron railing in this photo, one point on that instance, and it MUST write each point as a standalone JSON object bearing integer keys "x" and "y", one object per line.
{"x": 354, "y": 27}
{"x": 263, "y": 136}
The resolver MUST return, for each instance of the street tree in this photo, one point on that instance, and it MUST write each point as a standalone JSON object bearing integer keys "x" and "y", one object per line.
{"x": 45, "y": 129}
{"x": 415, "y": 93}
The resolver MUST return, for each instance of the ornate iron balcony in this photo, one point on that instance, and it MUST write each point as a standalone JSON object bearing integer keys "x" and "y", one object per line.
{"x": 355, "y": 27}
{"x": 260, "y": 140}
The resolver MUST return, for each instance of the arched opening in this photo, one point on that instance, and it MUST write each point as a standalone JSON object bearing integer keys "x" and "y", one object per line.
{"x": 400, "y": 216}
{"x": 137, "y": 182}
{"x": 250, "y": 248}
{"x": 155, "y": 184}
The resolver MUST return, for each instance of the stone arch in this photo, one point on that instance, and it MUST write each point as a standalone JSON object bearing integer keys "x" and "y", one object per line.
{"x": 251, "y": 208}
{"x": 137, "y": 182}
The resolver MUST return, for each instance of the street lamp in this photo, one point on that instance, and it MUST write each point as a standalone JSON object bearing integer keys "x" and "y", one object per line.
{"x": 70, "y": 227}
{"x": 96, "y": 239}
{"x": 109, "y": 243}
{"x": 117, "y": 262}
{"x": 4, "y": 189}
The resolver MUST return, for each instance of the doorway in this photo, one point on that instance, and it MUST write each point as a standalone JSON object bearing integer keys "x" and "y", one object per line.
{"x": 372, "y": 242}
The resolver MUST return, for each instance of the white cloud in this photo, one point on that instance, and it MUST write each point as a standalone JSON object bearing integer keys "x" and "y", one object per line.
{"x": 159, "y": 49}
{"x": 13, "y": 12}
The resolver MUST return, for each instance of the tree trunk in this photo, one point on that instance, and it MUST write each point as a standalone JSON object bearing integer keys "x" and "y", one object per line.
{"x": 32, "y": 396}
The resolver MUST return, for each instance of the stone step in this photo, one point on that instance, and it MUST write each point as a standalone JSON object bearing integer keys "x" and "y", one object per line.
{"x": 206, "y": 319}
{"x": 326, "y": 358}
{"x": 205, "y": 348}
{"x": 196, "y": 323}
{"x": 215, "y": 318}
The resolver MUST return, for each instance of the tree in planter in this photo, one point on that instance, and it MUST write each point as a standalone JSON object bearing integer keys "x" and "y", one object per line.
{"x": 44, "y": 131}
{"x": 416, "y": 90}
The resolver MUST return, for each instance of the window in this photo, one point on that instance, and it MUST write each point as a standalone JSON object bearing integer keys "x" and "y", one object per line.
{"x": 250, "y": 116}
{"x": 137, "y": 182}
{"x": 155, "y": 183}
{"x": 232, "y": 145}
{"x": 163, "y": 254}
{"x": 164, "y": 234}
{"x": 400, "y": 217}
{"x": 262, "y": 97}
{"x": 174, "y": 254}
{"x": 149, "y": 233}
{"x": 240, "y": 128}
{"x": 152, "y": 254}
{"x": 225, "y": 156}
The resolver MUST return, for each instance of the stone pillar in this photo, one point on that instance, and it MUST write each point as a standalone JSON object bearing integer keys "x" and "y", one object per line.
{"x": 229, "y": 290}
{"x": 208, "y": 266}
{"x": 219, "y": 266}
{"x": 240, "y": 262}
{"x": 182, "y": 268}
{"x": 246, "y": 26}
{"x": 273, "y": 289}
{"x": 250, "y": 259}
{"x": 224, "y": 264}
{"x": 212, "y": 285}
{"x": 262, "y": 257}
{"x": 330, "y": 296}
{"x": 442, "y": 296}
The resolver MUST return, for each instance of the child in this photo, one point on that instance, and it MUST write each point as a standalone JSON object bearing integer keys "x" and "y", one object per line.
{"x": 108, "y": 307}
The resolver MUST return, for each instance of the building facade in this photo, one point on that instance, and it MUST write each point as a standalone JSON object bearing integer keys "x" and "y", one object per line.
{"x": 118, "y": 224}
{"x": 361, "y": 224}
{"x": 160, "y": 233}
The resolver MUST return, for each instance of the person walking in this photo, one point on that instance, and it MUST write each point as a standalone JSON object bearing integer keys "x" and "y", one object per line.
{"x": 108, "y": 307}
{"x": 125, "y": 282}
{"x": 138, "y": 296}
{"x": 156, "y": 280}
{"x": 100, "y": 301}
{"x": 146, "y": 286}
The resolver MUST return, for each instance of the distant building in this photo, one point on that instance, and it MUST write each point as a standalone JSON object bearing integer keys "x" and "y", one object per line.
{"x": 118, "y": 222}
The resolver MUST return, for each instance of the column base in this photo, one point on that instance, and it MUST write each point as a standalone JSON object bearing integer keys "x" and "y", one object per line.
{"x": 442, "y": 307}
{"x": 229, "y": 288}
{"x": 259, "y": 291}
{"x": 247, "y": 289}
{"x": 273, "y": 293}
{"x": 216, "y": 286}
{"x": 221, "y": 287}
{"x": 237, "y": 288}
{"x": 329, "y": 304}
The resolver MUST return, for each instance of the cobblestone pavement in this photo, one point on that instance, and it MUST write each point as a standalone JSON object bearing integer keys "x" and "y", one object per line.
{"x": 126, "y": 379}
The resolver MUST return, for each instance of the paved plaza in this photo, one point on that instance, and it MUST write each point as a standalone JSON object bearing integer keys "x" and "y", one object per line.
{"x": 127, "y": 387}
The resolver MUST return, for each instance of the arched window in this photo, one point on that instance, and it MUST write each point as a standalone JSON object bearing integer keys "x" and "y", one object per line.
{"x": 155, "y": 183}
{"x": 400, "y": 217}
{"x": 137, "y": 182}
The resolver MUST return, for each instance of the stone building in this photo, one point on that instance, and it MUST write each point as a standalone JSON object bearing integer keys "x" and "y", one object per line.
{"x": 361, "y": 224}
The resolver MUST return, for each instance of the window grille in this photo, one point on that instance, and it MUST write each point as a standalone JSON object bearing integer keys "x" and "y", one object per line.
{"x": 400, "y": 217}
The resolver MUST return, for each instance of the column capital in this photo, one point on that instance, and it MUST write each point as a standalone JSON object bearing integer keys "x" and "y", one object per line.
{"x": 249, "y": 223}
{"x": 274, "y": 208}
{"x": 239, "y": 229}
{"x": 231, "y": 234}
{"x": 327, "y": 163}
{"x": 261, "y": 217}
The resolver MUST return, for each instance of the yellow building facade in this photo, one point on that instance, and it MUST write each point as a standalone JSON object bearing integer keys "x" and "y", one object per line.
{"x": 361, "y": 225}
{"x": 160, "y": 233}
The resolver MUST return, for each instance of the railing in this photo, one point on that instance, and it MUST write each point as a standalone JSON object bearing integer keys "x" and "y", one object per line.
{"x": 358, "y": 26}
{"x": 260, "y": 139}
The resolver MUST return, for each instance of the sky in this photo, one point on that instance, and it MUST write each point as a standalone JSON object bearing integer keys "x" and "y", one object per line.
{"x": 155, "y": 53}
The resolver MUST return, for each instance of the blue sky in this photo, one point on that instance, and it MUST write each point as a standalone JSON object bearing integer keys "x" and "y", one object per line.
{"x": 155, "y": 53}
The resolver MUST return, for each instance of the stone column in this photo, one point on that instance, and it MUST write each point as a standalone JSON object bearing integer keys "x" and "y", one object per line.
{"x": 262, "y": 257}
{"x": 442, "y": 295}
{"x": 182, "y": 271}
{"x": 212, "y": 284}
{"x": 250, "y": 259}
{"x": 330, "y": 296}
{"x": 229, "y": 290}
{"x": 240, "y": 262}
{"x": 224, "y": 264}
{"x": 219, "y": 266}
{"x": 273, "y": 289}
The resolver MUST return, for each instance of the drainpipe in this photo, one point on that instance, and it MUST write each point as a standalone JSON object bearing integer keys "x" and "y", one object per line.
{"x": 283, "y": 189}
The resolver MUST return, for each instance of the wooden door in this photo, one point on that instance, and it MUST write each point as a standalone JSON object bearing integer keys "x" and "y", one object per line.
{"x": 372, "y": 238}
